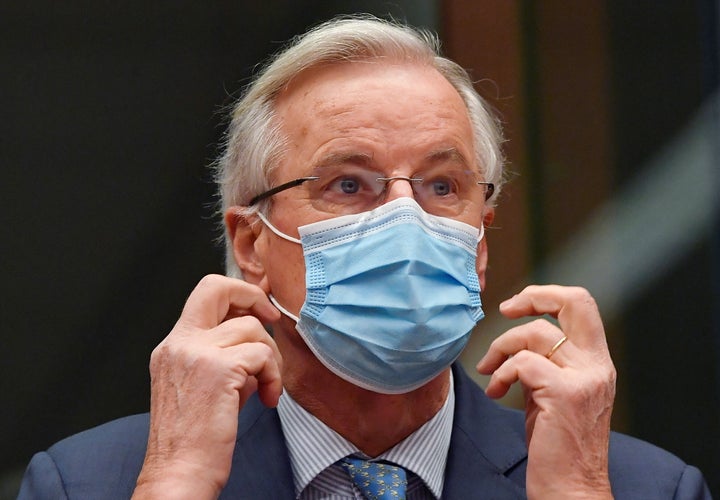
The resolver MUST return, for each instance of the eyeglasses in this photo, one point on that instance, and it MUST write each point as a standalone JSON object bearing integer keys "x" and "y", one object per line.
{"x": 349, "y": 189}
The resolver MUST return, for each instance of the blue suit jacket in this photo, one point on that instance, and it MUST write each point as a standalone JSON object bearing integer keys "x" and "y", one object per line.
{"x": 487, "y": 458}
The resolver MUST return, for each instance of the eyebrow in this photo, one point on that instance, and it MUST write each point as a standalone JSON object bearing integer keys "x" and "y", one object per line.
{"x": 448, "y": 154}
{"x": 331, "y": 159}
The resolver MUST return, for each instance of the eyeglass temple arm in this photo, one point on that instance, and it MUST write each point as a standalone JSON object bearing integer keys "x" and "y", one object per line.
{"x": 489, "y": 189}
{"x": 277, "y": 189}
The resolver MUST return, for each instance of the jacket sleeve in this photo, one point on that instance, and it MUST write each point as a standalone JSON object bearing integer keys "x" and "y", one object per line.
{"x": 692, "y": 485}
{"x": 103, "y": 462}
{"x": 42, "y": 480}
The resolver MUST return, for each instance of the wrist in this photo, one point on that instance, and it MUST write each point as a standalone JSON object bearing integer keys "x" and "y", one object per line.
{"x": 177, "y": 480}
{"x": 601, "y": 491}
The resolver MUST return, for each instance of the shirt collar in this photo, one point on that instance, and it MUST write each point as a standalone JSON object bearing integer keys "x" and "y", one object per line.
{"x": 313, "y": 446}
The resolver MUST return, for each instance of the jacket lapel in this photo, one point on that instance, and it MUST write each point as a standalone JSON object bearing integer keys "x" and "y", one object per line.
{"x": 487, "y": 455}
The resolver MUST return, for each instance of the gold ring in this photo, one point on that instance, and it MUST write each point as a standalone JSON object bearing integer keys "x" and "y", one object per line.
{"x": 556, "y": 347}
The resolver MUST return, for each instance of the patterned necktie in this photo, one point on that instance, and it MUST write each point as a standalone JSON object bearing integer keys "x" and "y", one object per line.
{"x": 376, "y": 480}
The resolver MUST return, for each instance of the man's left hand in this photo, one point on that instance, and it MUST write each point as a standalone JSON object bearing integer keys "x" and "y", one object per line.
{"x": 569, "y": 390}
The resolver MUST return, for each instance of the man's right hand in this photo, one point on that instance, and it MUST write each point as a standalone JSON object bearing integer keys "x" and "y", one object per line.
{"x": 202, "y": 373}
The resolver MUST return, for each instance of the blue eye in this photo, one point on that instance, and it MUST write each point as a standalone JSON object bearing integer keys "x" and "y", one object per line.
{"x": 349, "y": 185}
{"x": 441, "y": 187}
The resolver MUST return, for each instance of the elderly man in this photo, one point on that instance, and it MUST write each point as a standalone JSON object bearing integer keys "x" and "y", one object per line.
{"x": 360, "y": 171}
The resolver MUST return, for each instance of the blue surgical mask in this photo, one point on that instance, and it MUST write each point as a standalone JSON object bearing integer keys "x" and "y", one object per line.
{"x": 392, "y": 294}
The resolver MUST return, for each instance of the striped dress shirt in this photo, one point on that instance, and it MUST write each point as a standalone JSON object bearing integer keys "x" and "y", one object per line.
{"x": 314, "y": 449}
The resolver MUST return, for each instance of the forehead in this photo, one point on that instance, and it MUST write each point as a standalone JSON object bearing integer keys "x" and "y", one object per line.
{"x": 388, "y": 111}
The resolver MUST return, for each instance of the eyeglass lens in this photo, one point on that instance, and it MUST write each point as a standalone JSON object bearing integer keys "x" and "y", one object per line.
{"x": 346, "y": 189}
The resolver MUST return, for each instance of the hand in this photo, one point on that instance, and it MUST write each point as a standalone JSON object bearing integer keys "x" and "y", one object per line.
{"x": 202, "y": 373}
{"x": 569, "y": 396}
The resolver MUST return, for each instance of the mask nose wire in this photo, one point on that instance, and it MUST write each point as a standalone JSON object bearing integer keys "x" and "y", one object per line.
{"x": 276, "y": 230}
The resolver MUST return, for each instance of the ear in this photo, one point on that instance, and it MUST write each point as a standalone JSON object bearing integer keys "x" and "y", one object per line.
{"x": 243, "y": 232}
{"x": 482, "y": 251}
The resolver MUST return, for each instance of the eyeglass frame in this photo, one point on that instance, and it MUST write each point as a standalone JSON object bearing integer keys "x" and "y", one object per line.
{"x": 490, "y": 187}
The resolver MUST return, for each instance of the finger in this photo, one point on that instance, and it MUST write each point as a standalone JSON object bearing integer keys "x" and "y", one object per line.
{"x": 537, "y": 336}
{"x": 243, "y": 330}
{"x": 258, "y": 360}
{"x": 215, "y": 297}
{"x": 248, "y": 389}
{"x": 574, "y": 308}
{"x": 529, "y": 368}
{"x": 239, "y": 330}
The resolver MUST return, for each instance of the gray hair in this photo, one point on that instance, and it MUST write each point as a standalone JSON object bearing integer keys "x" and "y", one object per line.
{"x": 254, "y": 144}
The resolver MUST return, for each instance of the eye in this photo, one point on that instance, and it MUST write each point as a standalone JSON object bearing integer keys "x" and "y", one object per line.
{"x": 440, "y": 186}
{"x": 348, "y": 185}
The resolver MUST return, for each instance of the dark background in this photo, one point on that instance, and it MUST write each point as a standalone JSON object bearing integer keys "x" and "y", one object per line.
{"x": 112, "y": 112}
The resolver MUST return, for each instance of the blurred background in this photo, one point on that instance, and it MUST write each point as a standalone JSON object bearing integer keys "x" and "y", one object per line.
{"x": 112, "y": 111}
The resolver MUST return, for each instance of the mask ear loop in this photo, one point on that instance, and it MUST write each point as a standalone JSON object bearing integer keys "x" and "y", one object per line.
{"x": 282, "y": 309}
{"x": 482, "y": 232}
{"x": 276, "y": 230}
{"x": 285, "y": 237}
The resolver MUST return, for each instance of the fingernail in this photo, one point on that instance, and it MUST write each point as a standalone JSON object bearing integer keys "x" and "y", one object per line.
{"x": 508, "y": 302}
{"x": 480, "y": 366}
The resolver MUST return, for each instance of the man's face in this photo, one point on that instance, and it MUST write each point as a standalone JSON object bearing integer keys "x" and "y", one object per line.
{"x": 395, "y": 117}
